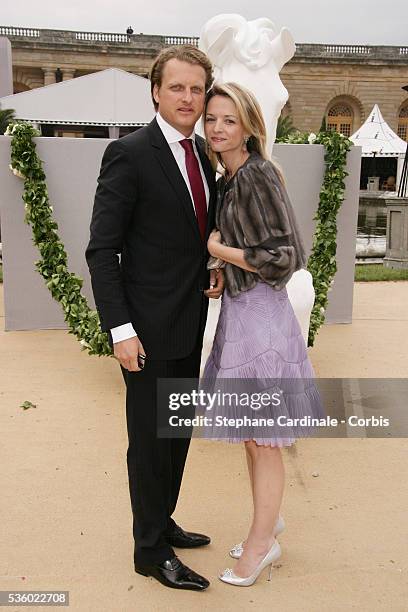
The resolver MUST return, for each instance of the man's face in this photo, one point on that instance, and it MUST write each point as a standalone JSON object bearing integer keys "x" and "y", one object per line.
{"x": 181, "y": 94}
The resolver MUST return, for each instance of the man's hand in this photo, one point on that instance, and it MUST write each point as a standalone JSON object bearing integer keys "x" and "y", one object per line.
{"x": 216, "y": 284}
{"x": 127, "y": 353}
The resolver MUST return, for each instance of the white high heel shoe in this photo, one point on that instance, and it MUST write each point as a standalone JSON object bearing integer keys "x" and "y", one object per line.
{"x": 272, "y": 555}
{"x": 236, "y": 551}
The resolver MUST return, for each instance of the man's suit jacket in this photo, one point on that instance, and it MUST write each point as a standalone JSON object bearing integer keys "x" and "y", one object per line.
{"x": 144, "y": 212}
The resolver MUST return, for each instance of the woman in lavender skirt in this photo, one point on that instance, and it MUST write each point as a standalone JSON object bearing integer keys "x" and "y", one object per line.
{"x": 258, "y": 244}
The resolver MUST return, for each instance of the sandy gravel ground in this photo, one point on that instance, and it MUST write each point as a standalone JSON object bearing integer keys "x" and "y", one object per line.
{"x": 65, "y": 516}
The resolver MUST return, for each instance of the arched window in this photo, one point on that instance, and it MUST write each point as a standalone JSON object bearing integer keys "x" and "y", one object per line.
{"x": 403, "y": 123}
{"x": 19, "y": 87}
{"x": 340, "y": 119}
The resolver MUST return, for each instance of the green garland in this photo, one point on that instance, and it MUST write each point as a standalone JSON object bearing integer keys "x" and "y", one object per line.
{"x": 322, "y": 260}
{"x": 65, "y": 287}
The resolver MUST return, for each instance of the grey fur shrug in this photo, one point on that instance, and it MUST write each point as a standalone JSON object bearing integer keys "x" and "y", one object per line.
{"x": 254, "y": 214}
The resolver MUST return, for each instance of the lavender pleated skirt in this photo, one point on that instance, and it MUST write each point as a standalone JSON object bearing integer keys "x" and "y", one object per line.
{"x": 258, "y": 337}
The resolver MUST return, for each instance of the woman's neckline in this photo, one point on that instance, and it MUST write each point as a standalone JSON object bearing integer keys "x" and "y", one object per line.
{"x": 251, "y": 155}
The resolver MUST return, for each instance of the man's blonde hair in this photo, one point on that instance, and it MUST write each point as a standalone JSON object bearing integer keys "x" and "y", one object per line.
{"x": 183, "y": 53}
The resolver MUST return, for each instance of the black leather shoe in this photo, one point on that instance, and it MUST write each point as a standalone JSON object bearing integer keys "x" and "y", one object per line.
{"x": 174, "y": 574}
{"x": 179, "y": 538}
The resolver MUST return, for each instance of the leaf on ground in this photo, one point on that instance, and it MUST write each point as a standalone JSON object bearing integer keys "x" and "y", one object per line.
{"x": 26, "y": 405}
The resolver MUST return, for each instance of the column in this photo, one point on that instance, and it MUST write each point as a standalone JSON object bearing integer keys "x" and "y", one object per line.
{"x": 67, "y": 74}
{"x": 6, "y": 68}
{"x": 49, "y": 76}
{"x": 396, "y": 255}
{"x": 114, "y": 131}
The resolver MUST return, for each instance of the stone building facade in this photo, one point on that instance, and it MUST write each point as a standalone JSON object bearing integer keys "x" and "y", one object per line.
{"x": 339, "y": 82}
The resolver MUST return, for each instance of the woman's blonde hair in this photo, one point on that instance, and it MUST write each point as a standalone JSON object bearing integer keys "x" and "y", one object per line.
{"x": 250, "y": 116}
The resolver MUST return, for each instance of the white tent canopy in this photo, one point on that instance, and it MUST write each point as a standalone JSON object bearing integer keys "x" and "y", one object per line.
{"x": 109, "y": 97}
{"x": 377, "y": 138}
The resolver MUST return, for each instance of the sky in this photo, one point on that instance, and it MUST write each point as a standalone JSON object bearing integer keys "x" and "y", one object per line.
{"x": 312, "y": 21}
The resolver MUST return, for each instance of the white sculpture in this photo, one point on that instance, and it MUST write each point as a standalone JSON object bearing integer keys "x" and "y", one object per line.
{"x": 301, "y": 294}
{"x": 252, "y": 53}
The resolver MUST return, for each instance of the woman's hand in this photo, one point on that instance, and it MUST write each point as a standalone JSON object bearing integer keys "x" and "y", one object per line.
{"x": 213, "y": 240}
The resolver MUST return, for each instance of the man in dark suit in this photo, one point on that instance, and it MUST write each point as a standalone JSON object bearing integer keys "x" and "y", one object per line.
{"x": 154, "y": 206}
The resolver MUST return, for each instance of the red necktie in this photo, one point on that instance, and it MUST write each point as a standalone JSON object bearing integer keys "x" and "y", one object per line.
{"x": 196, "y": 184}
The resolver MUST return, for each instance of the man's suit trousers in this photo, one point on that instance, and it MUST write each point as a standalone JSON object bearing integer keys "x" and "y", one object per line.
{"x": 155, "y": 465}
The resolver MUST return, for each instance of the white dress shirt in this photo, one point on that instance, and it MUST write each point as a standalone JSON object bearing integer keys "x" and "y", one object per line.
{"x": 173, "y": 137}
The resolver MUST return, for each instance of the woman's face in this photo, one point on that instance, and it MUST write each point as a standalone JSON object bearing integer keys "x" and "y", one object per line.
{"x": 223, "y": 128}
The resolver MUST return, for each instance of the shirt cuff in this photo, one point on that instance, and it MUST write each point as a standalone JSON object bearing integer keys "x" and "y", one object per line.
{"x": 122, "y": 332}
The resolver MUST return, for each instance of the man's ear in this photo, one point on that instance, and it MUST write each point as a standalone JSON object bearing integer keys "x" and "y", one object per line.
{"x": 155, "y": 93}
